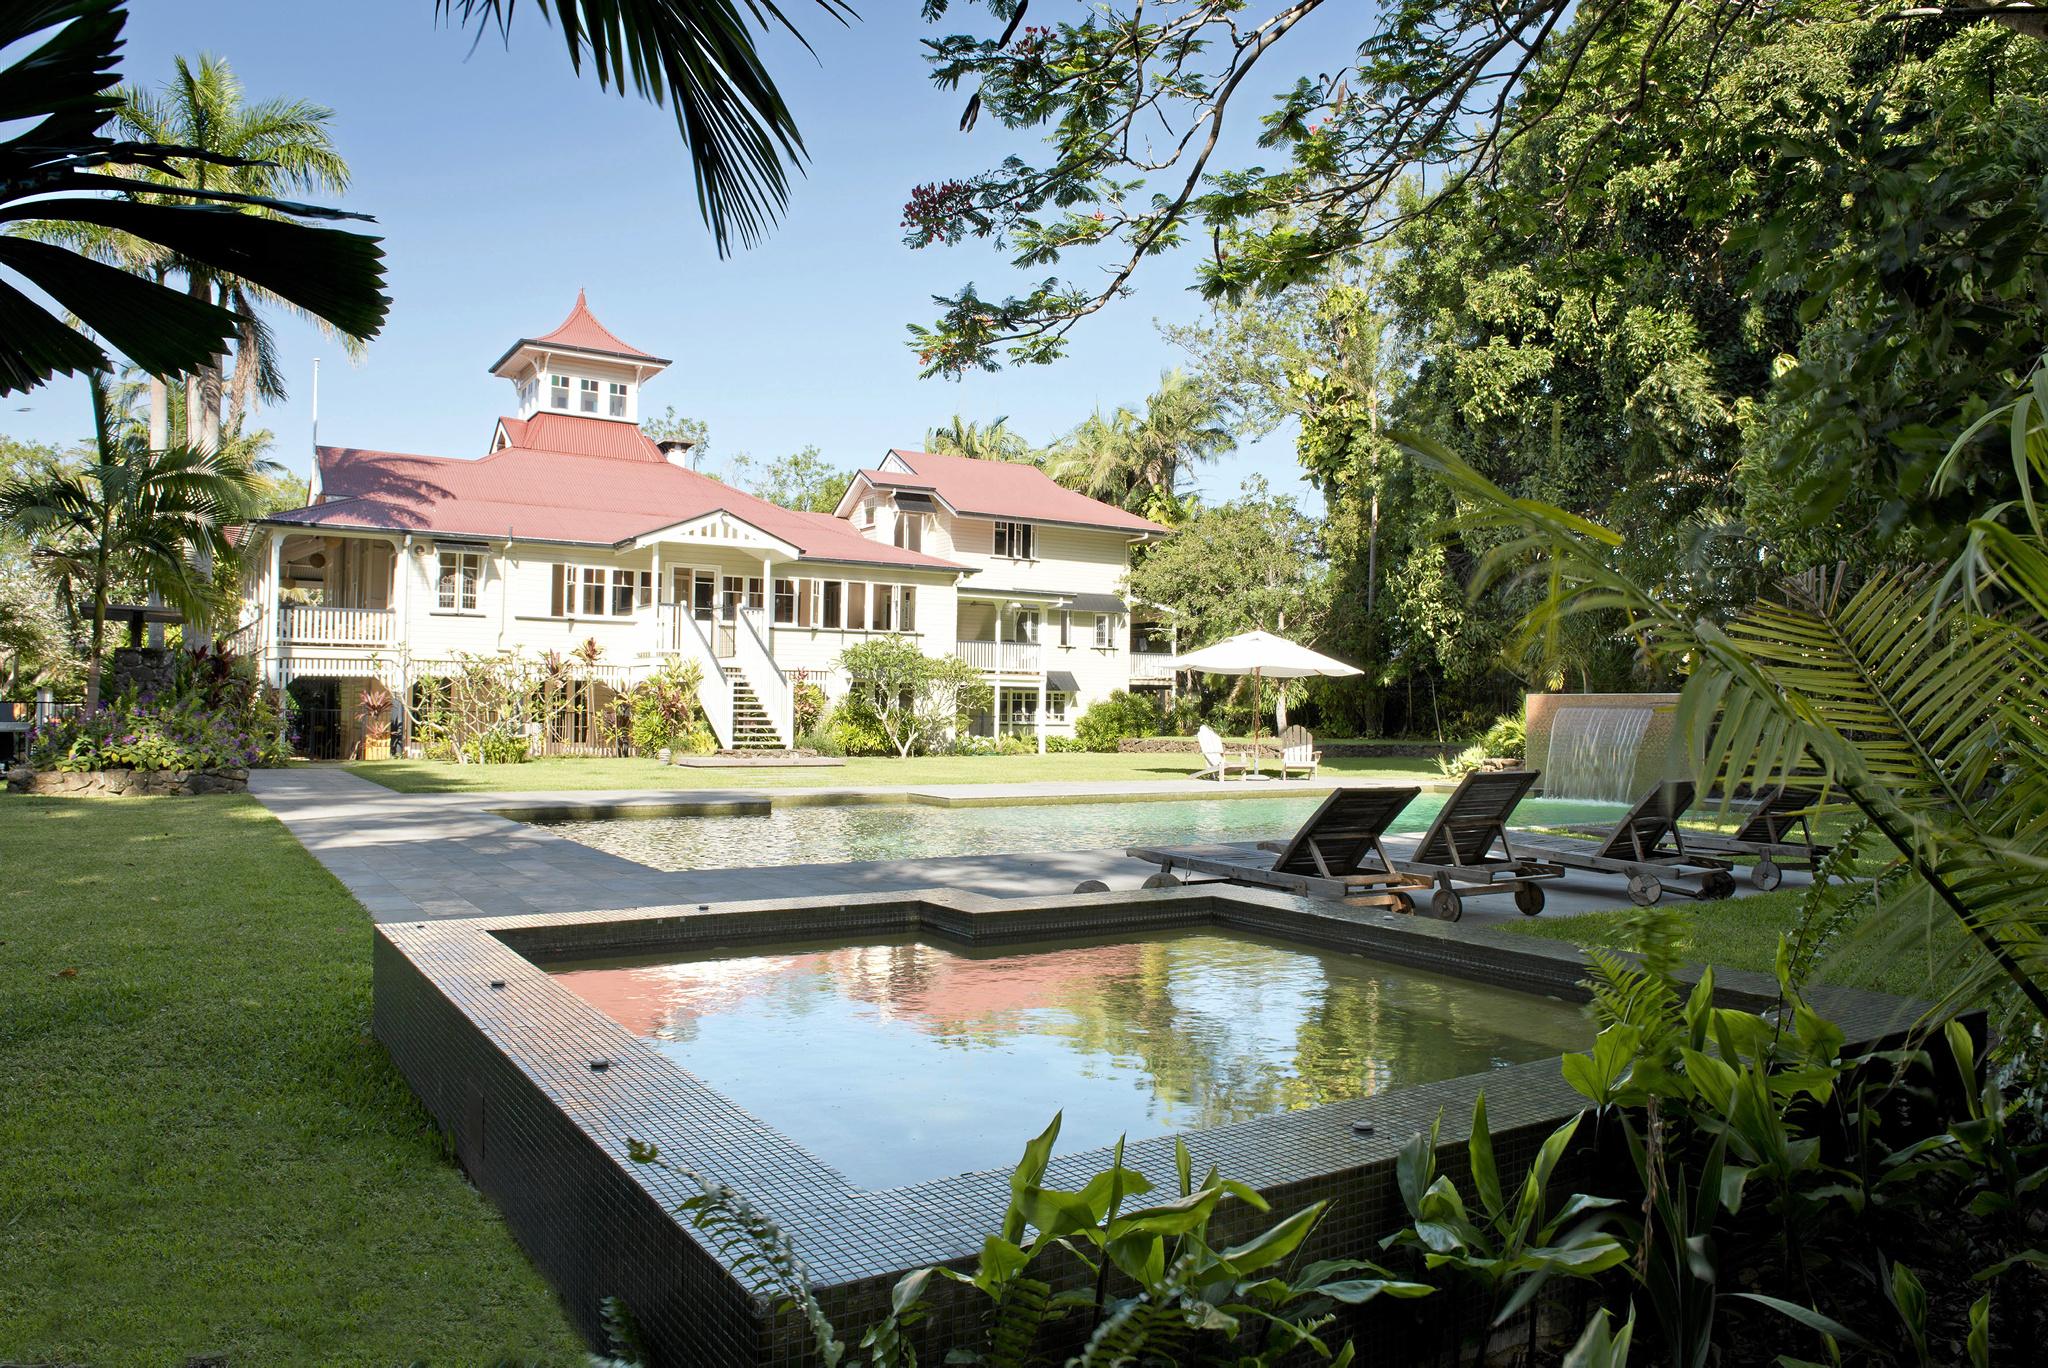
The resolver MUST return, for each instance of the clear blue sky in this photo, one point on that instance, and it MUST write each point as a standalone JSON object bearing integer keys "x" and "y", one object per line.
{"x": 502, "y": 183}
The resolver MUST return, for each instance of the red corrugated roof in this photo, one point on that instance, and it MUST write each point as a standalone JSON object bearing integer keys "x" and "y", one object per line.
{"x": 582, "y": 330}
{"x": 586, "y": 487}
{"x": 1005, "y": 489}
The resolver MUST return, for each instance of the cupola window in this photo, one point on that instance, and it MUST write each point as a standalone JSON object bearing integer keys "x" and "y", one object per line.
{"x": 618, "y": 399}
{"x": 589, "y": 396}
{"x": 558, "y": 391}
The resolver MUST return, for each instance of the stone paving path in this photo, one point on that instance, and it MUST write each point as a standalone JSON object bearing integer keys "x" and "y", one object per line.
{"x": 418, "y": 856}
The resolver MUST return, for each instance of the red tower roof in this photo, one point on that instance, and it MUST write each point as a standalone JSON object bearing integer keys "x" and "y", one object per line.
{"x": 581, "y": 331}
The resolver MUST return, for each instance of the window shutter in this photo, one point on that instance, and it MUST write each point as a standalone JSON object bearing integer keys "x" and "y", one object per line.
{"x": 558, "y": 604}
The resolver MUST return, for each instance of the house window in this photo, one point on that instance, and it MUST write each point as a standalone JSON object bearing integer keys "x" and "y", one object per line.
{"x": 593, "y": 591}
{"x": 558, "y": 392}
{"x": 906, "y": 616}
{"x": 1013, "y": 539}
{"x": 856, "y": 606}
{"x": 1066, "y": 627}
{"x": 589, "y": 388}
{"x": 785, "y": 601}
{"x": 1020, "y": 707}
{"x": 1102, "y": 626}
{"x": 646, "y": 588}
{"x": 833, "y": 592}
{"x": 618, "y": 399}
{"x": 1055, "y": 706}
{"x": 754, "y": 592}
{"x": 867, "y": 514}
{"x": 1027, "y": 625}
{"x": 884, "y": 616}
{"x": 623, "y": 587}
{"x": 461, "y": 571}
{"x": 910, "y": 531}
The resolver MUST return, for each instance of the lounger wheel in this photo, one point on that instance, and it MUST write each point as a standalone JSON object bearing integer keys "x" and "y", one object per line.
{"x": 1765, "y": 875}
{"x": 1162, "y": 880}
{"x": 1644, "y": 889}
{"x": 1447, "y": 904}
{"x": 1719, "y": 885}
{"x": 1405, "y": 902}
{"x": 1529, "y": 897}
{"x": 1091, "y": 886}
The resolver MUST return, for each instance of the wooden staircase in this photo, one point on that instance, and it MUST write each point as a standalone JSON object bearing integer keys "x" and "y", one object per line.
{"x": 751, "y": 727}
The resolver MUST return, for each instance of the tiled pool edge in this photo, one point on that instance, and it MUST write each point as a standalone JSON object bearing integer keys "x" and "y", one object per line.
{"x": 506, "y": 1071}
{"x": 755, "y": 803}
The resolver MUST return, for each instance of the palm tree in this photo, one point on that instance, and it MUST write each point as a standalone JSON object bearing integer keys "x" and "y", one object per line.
{"x": 67, "y": 182}
{"x": 1139, "y": 461}
{"x": 261, "y": 152}
{"x": 980, "y": 442}
{"x": 134, "y": 514}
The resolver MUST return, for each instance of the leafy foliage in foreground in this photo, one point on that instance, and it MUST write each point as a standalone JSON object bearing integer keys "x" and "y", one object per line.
{"x": 1160, "y": 1292}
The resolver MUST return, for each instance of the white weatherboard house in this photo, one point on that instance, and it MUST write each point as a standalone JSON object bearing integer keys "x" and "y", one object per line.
{"x": 576, "y": 527}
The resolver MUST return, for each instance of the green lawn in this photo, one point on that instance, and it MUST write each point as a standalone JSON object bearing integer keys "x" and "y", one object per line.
{"x": 202, "y": 1149}
{"x": 1742, "y": 933}
{"x": 440, "y": 776}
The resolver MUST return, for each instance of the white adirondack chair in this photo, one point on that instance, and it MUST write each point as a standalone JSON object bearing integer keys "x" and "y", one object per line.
{"x": 1298, "y": 752}
{"x": 1218, "y": 760}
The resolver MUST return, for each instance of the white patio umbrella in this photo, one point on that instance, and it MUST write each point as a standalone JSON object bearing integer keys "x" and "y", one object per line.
{"x": 1262, "y": 656}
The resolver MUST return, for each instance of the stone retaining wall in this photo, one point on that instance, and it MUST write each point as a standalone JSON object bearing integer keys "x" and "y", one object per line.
{"x": 1350, "y": 750}
{"x": 128, "y": 783}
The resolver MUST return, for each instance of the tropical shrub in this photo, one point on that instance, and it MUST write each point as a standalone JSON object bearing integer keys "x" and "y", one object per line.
{"x": 665, "y": 710}
{"x": 1508, "y": 736}
{"x": 848, "y": 731}
{"x": 214, "y": 714}
{"x": 1176, "y": 1299}
{"x": 482, "y": 711}
{"x": 808, "y": 703}
{"x": 1465, "y": 761}
{"x": 1120, "y": 716}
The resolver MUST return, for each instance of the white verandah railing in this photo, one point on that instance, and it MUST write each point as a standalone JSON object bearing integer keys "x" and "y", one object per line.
{"x": 321, "y": 626}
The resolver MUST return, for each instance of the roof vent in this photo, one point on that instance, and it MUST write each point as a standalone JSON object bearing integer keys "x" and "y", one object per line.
{"x": 676, "y": 451}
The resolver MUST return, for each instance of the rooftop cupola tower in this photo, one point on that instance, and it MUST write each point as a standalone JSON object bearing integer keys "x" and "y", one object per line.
{"x": 580, "y": 368}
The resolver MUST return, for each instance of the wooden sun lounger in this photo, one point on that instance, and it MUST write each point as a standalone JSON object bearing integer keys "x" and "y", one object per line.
{"x": 1336, "y": 854}
{"x": 1776, "y": 832}
{"x": 1465, "y": 853}
{"x": 1647, "y": 848}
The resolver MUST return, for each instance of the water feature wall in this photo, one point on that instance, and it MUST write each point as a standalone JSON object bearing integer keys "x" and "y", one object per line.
{"x": 1609, "y": 747}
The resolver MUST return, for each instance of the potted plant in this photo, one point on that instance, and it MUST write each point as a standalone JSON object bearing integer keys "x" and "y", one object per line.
{"x": 373, "y": 711}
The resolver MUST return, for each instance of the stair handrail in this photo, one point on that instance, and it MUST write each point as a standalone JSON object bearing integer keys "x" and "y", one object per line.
{"x": 714, "y": 690}
{"x": 771, "y": 686}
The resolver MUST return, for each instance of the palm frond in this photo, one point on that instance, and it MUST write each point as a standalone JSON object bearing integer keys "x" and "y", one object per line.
{"x": 702, "y": 57}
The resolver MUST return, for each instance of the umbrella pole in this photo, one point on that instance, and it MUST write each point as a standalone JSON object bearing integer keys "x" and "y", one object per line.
{"x": 1255, "y": 723}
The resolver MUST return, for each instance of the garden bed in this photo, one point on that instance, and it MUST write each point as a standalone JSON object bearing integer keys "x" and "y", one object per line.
{"x": 127, "y": 783}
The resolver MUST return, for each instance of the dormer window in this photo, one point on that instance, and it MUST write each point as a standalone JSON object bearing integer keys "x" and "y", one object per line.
{"x": 589, "y": 388}
{"x": 618, "y": 399}
{"x": 558, "y": 392}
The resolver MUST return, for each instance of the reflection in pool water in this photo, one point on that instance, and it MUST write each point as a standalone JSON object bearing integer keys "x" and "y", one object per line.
{"x": 904, "y": 1060}
{"x": 829, "y": 833}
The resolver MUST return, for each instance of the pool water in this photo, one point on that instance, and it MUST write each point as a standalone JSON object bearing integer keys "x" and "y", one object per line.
{"x": 902, "y": 1060}
{"x": 832, "y": 833}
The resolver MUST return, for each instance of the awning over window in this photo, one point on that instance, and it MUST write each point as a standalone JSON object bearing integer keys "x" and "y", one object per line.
{"x": 915, "y": 503}
{"x": 1060, "y": 681}
{"x": 1097, "y": 603}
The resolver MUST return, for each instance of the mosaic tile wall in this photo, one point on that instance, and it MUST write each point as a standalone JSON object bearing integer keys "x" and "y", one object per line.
{"x": 540, "y": 1095}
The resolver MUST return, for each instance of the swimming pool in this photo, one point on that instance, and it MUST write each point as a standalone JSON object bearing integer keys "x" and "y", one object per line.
{"x": 820, "y": 834}
{"x": 905, "y": 1059}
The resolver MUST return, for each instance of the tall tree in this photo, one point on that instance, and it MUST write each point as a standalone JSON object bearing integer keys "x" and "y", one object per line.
{"x": 1252, "y": 562}
{"x": 156, "y": 516}
{"x": 802, "y": 480}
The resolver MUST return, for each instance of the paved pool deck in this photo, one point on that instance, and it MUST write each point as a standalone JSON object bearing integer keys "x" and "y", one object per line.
{"x": 412, "y": 857}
